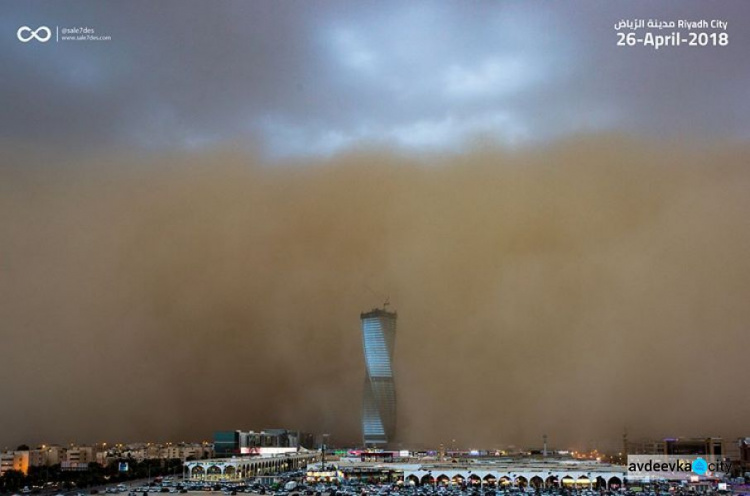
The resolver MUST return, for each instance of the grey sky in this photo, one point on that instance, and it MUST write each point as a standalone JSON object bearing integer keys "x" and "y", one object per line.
{"x": 293, "y": 78}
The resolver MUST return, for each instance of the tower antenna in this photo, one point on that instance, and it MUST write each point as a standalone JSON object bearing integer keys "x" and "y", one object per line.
{"x": 379, "y": 296}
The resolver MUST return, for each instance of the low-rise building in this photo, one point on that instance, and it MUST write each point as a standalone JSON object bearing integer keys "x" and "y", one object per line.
{"x": 80, "y": 455}
{"x": 14, "y": 460}
{"x": 46, "y": 455}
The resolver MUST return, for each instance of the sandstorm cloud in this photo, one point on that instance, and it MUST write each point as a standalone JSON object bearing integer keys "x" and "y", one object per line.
{"x": 576, "y": 290}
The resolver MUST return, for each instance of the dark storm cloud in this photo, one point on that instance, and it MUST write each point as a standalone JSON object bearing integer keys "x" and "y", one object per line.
{"x": 301, "y": 78}
{"x": 574, "y": 291}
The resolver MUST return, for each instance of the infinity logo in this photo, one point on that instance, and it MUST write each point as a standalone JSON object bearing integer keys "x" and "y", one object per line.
{"x": 46, "y": 34}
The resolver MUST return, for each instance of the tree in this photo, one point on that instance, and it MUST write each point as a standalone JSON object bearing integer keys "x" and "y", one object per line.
{"x": 12, "y": 480}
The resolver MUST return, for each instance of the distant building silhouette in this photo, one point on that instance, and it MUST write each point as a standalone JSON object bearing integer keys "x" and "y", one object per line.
{"x": 713, "y": 446}
{"x": 379, "y": 399}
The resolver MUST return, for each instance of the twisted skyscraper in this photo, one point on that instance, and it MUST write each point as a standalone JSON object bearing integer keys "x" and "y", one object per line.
{"x": 379, "y": 399}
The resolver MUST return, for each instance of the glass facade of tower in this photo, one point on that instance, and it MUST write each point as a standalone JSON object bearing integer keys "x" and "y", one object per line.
{"x": 379, "y": 398}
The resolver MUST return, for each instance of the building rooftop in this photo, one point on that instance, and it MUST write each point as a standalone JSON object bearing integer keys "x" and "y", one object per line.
{"x": 377, "y": 312}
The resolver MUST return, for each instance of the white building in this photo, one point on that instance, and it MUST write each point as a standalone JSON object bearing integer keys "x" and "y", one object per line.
{"x": 242, "y": 467}
{"x": 80, "y": 455}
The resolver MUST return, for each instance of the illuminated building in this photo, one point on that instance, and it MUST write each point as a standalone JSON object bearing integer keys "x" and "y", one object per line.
{"x": 14, "y": 460}
{"x": 379, "y": 398}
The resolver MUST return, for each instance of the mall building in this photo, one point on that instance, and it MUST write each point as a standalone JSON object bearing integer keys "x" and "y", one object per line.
{"x": 480, "y": 473}
{"x": 239, "y": 468}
